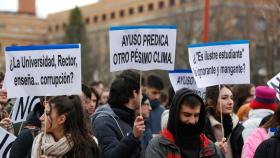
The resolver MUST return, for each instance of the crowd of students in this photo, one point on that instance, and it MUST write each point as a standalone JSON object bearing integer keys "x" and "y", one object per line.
{"x": 129, "y": 120}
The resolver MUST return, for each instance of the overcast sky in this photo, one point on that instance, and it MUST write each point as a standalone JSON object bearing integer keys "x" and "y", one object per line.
{"x": 45, "y": 7}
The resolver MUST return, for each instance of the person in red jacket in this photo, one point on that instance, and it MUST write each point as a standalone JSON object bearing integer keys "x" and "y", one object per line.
{"x": 183, "y": 137}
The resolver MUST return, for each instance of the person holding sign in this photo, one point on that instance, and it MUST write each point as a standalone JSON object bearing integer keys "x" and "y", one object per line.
{"x": 183, "y": 137}
{"x": 219, "y": 100}
{"x": 115, "y": 125}
{"x": 67, "y": 133}
{"x": 5, "y": 110}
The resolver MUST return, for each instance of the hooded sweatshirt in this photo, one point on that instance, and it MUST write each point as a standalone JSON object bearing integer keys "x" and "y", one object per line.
{"x": 186, "y": 136}
{"x": 179, "y": 140}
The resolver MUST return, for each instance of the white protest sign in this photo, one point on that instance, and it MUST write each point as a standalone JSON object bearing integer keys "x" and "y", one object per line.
{"x": 274, "y": 83}
{"x": 184, "y": 79}
{"x": 23, "y": 106}
{"x": 6, "y": 142}
{"x": 220, "y": 63}
{"x": 142, "y": 47}
{"x": 43, "y": 70}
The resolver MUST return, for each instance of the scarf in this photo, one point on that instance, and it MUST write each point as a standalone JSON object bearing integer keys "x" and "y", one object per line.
{"x": 189, "y": 136}
{"x": 125, "y": 114}
{"x": 227, "y": 124}
{"x": 53, "y": 149}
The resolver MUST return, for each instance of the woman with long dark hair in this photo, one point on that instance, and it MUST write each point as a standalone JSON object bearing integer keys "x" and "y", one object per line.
{"x": 219, "y": 102}
{"x": 67, "y": 133}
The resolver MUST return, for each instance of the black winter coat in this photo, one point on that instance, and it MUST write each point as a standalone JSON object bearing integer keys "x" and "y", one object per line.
{"x": 114, "y": 135}
{"x": 269, "y": 148}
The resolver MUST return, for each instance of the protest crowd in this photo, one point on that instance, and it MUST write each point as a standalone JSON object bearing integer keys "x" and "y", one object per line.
{"x": 207, "y": 112}
{"x": 95, "y": 124}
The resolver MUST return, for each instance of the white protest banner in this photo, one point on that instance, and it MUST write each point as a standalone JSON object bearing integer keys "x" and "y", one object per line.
{"x": 275, "y": 83}
{"x": 220, "y": 63}
{"x": 142, "y": 47}
{"x": 6, "y": 142}
{"x": 43, "y": 70}
{"x": 23, "y": 106}
{"x": 184, "y": 79}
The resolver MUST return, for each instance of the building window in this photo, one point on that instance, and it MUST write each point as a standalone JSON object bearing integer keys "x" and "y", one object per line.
{"x": 278, "y": 25}
{"x": 15, "y": 29}
{"x": 113, "y": 15}
{"x": 87, "y": 20}
{"x": 151, "y": 7}
{"x": 260, "y": 24}
{"x": 121, "y": 13}
{"x": 183, "y": 1}
{"x": 239, "y": 23}
{"x": 104, "y": 17}
{"x": 2, "y": 26}
{"x": 277, "y": 61}
{"x": 171, "y": 3}
{"x": 30, "y": 29}
{"x": 188, "y": 25}
{"x": 50, "y": 29}
{"x": 140, "y": 9}
{"x": 64, "y": 26}
{"x": 161, "y": 4}
{"x": 56, "y": 27}
{"x": 131, "y": 11}
{"x": 277, "y": 55}
{"x": 95, "y": 19}
{"x": 259, "y": 55}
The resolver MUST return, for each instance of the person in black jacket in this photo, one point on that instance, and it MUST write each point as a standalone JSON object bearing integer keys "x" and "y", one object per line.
{"x": 23, "y": 143}
{"x": 270, "y": 147}
{"x": 116, "y": 128}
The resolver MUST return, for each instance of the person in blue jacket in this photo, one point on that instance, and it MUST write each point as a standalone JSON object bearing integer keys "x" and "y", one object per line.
{"x": 117, "y": 129}
{"x": 153, "y": 91}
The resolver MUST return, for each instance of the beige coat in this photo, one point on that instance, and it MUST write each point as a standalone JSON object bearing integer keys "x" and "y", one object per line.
{"x": 217, "y": 130}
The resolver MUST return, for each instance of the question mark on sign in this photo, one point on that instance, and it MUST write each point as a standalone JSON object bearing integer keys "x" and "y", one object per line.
{"x": 72, "y": 75}
{"x": 244, "y": 67}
